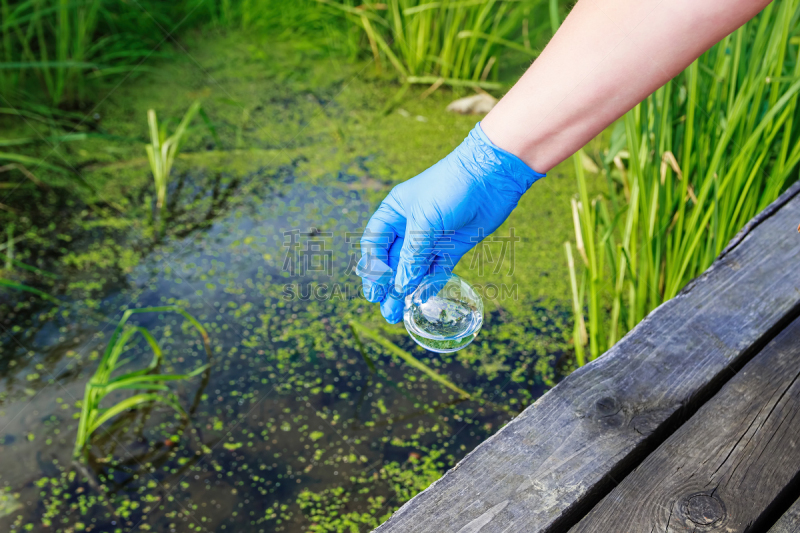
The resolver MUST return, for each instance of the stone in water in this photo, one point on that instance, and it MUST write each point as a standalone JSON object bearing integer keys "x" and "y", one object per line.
{"x": 444, "y": 314}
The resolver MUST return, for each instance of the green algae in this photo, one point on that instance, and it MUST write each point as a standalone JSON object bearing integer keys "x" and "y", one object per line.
{"x": 293, "y": 431}
{"x": 8, "y": 504}
{"x": 448, "y": 345}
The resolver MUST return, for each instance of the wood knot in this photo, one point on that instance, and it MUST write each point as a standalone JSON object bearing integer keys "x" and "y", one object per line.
{"x": 606, "y": 406}
{"x": 704, "y": 509}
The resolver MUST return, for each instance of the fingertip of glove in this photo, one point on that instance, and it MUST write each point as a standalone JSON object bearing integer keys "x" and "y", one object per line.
{"x": 373, "y": 292}
{"x": 394, "y": 319}
{"x": 392, "y": 316}
{"x": 392, "y": 309}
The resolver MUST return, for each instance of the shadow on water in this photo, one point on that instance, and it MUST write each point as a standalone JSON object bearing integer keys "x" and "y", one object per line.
{"x": 291, "y": 426}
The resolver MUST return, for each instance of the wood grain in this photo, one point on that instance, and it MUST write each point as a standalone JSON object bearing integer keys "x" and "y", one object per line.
{"x": 789, "y": 522}
{"x": 724, "y": 468}
{"x": 546, "y": 468}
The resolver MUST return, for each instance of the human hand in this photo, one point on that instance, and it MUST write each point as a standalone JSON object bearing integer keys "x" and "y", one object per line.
{"x": 429, "y": 222}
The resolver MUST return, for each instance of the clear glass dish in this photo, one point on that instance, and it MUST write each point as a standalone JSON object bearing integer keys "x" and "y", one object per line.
{"x": 444, "y": 314}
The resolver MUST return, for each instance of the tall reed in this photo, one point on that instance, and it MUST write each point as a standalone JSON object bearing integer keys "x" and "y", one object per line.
{"x": 56, "y": 47}
{"x": 705, "y": 153}
{"x": 451, "y": 42}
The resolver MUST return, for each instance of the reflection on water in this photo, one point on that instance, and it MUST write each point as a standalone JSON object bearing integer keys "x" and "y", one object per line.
{"x": 291, "y": 429}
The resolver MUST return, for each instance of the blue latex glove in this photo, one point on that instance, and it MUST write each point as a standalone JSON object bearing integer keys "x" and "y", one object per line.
{"x": 429, "y": 222}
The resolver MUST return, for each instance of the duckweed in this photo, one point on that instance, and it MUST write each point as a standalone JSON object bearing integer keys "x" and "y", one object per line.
{"x": 292, "y": 430}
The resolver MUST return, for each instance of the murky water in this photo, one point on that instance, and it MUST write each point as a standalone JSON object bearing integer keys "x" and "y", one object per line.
{"x": 291, "y": 429}
{"x": 299, "y": 425}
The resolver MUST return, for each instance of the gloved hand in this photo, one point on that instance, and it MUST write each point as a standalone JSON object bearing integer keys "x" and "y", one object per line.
{"x": 429, "y": 222}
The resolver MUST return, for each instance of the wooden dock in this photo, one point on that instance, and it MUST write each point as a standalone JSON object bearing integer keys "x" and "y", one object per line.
{"x": 691, "y": 423}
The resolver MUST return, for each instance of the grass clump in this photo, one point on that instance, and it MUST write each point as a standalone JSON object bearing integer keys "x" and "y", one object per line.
{"x": 162, "y": 150}
{"x": 705, "y": 153}
{"x": 54, "y": 51}
{"x": 51, "y": 41}
{"x": 148, "y": 380}
{"x": 443, "y": 42}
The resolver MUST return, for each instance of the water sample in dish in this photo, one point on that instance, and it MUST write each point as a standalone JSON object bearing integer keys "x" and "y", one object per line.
{"x": 444, "y": 314}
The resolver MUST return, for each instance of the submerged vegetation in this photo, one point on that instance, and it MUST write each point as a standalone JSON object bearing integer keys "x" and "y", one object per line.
{"x": 686, "y": 169}
{"x": 402, "y": 354}
{"x": 9, "y": 263}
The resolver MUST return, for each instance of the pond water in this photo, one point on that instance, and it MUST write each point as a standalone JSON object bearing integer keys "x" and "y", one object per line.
{"x": 308, "y": 420}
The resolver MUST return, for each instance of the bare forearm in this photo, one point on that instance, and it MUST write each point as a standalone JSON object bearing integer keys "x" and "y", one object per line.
{"x": 607, "y": 56}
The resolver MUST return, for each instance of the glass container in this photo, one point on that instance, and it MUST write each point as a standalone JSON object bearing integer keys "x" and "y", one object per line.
{"x": 444, "y": 314}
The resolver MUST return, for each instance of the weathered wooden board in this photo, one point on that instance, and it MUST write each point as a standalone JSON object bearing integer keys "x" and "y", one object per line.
{"x": 789, "y": 522}
{"x": 552, "y": 463}
{"x": 724, "y": 469}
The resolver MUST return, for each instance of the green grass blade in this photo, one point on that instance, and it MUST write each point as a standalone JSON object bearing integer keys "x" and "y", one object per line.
{"x": 362, "y": 351}
{"x": 555, "y": 19}
{"x": 134, "y": 402}
{"x": 408, "y": 358}
{"x": 26, "y": 288}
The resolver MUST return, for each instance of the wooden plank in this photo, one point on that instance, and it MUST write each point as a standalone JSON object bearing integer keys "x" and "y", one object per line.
{"x": 724, "y": 468}
{"x": 789, "y": 522}
{"x": 560, "y": 456}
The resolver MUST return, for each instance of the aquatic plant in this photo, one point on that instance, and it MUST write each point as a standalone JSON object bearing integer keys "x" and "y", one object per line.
{"x": 52, "y": 40}
{"x": 56, "y": 48}
{"x": 402, "y": 354}
{"x": 37, "y": 170}
{"x": 9, "y": 262}
{"x": 301, "y": 21}
{"x": 441, "y": 43}
{"x": 705, "y": 153}
{"x": 162, "y": 150}
{"x": 332, "y": 509}
{"x": 104, "y": 382}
